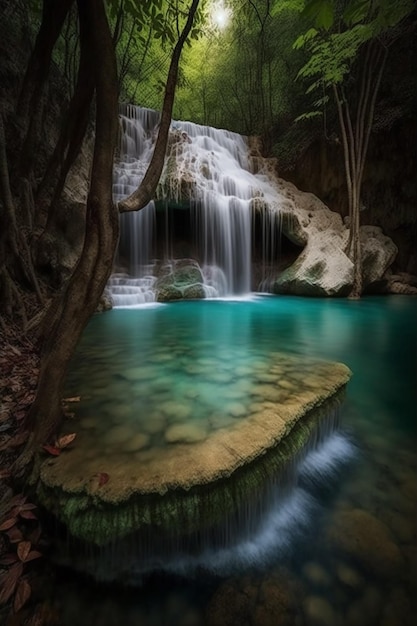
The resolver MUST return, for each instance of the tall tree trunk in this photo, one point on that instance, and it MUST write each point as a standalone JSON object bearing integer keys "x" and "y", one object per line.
{"x": 30, "y": 105}
{"x": 69, "y": 313}
{"x": 72, "y": 134}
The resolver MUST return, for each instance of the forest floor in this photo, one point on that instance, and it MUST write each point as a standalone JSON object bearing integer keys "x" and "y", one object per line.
{"x": 22, "y": 544}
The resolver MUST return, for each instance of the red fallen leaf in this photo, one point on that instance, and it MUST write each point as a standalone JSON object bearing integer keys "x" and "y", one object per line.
{"x": 33, "y": 554}
{"x": 103, "y": 478}
{"x": 14, "y": 535}
{"x": 52, "y": 450}
{"x": 8, "y": 523}
{"x": 27, "y": 506}
{"x": 23, "y": 550}
{"x": 18, "y": 500}
{"x": 8, "y": 582}
{"x": 23, "y": 592}
{"x": 65, "y": 440}
{"x": 28, "y": 515}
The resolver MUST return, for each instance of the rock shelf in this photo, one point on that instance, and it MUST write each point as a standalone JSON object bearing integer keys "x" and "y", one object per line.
{"x": 205, "y": 470}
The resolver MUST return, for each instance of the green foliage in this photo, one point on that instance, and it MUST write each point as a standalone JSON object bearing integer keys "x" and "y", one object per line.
{"x": 334, "y": 44}
{"x": 242, "y": 77}
{"x": 149, "y": 30}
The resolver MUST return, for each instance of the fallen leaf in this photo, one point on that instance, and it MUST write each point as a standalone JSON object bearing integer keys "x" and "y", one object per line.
{"x": 52, "y": 450}
{"x": 27, "y": 514}
{"x": 23, "y": 592}
{"x": 73, "y": 399}
{"x": 8, "y": 582}
{"x": 65, "y": 440}
{"x": 14, "y": 535}
{"x": 15, "y": 441}
{"x": 23, "y": 550}
{"x": 103, "y": 478}
{"x": 8, "y": 523}
{"x": 33, "y": 554}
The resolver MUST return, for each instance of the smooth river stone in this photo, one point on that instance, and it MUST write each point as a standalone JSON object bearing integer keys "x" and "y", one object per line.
{"x": 137, "y": 442}
{"x": 89, "y": 422}
{"x": 235, "y": 409}
{"x": 244, "y": 385}
{"x": 191, "y": 393}
{"x": 266, "y": 378}
{"x": 259, "y": 365}
{"x": 120, "y": 412}
{"x": 222, "y": 378}
{"x": 256, "y": 407}
{"x": 153, "y": 424}
{"x": 138, "y": 373}
{"x": 219, "y": 420}
{"x": 243, "y": 370}
{"x": 269, "y": 392}
{"x": 232, "y": 393}
{"x": 162, "y": 358}
{"x": 118, "y": 434}
{"x": 188, "y": 433}
{"x": 175, "y": 409}
{"x": 286, "y": 384}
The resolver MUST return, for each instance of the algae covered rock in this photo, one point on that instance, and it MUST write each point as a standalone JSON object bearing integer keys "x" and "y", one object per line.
{"x": 180, "y": 279}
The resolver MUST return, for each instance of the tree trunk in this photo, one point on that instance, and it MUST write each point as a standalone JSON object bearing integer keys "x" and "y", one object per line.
{"x": 30, "y": 106}
{"x": 69, "y": 144}
{"x": 69, "y": 312}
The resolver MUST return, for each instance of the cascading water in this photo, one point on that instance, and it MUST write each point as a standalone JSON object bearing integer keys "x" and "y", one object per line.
{"x": 215, "y": 168}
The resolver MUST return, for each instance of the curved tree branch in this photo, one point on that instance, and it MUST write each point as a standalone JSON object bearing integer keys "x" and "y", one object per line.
{"x": 144, "y": 194}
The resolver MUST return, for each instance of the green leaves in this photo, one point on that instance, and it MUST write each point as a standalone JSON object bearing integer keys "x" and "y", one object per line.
{"x": 356, "y": 11}
{"x": 320, "y": 12}
{"x": 301, "y": 41}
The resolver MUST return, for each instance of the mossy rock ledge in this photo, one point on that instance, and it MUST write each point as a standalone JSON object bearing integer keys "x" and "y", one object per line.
{"x": 189, "y": 487}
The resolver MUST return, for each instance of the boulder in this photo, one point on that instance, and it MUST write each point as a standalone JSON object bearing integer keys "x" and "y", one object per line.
{"x": 180, "y": 279}
{"x": 323, "y": 267}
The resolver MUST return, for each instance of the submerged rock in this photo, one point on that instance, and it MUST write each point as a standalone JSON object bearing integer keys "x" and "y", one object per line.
{"x": 365, "y": 539}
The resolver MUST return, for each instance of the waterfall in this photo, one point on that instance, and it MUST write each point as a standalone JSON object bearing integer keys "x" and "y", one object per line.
{"x": 208, "y": 171}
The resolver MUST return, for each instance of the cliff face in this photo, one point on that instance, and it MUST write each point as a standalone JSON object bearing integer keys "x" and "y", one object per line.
{"x": 389, "y": 188}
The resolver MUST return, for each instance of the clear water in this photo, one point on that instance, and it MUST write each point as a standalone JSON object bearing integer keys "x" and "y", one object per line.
{"x": 343, "y": 553}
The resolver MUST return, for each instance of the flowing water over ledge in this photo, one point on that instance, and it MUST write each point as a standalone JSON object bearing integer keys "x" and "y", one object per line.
{"x": 342, "y": 550}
